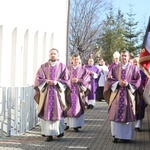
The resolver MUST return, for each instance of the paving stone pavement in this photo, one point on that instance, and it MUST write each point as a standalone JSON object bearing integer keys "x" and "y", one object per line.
{"x": 95, "y": 135}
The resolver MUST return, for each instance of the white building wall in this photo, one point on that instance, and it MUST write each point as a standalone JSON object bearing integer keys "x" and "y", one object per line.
{"x": 28, "y": 29}
{"x": 1, "y": 31}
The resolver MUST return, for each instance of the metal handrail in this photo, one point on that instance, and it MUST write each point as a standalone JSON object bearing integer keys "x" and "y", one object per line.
{"x": 18, "y": 110}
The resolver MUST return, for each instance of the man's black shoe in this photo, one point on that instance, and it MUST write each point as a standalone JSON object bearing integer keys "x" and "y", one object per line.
{"x": 43, "y": 135}
{"x": 90, "y": 106}
{"x": 126, "y": 140}
{"x": 76, "y": 129}
{"x": 49, "y": 138}
{"x": 60, "y": 135}
{"x": 115, "y": 140}
{"x": 99, "y": 100}
{"x": 138, "y": 129}
{"x": 67, "y": 127}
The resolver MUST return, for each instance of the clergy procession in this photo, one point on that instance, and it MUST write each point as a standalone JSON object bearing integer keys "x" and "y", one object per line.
{"x": 64, "y": 94}
{"x": 74, "y": 75}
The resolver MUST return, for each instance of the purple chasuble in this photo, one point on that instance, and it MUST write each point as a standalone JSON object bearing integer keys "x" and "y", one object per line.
{"x": 77, "y": 104}
{"x": 111, "y": 66}
{"x": 122, "y": 108}
{"x": 92, "y": 94}
{"x": 52, "y": 108}
{"x": 141, "y": 105}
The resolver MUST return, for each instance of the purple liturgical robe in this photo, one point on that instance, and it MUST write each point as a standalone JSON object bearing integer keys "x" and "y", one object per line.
{"x": 141, "y": 105}
{"x": 77, "y": 103}
{"x": 92, "y": 94}
{"x": 122, "y": 106}
{"x": 111, "y": 66}
{"x": 52, "y": 109}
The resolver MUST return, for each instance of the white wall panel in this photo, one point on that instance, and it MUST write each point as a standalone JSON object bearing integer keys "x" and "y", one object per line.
{"x": 28, "y": 29}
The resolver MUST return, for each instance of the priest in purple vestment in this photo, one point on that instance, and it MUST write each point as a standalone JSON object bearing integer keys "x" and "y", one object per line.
{"x": 119, "y": 92}
{"x": 94, "y": 73}
{"x": 80, "y": 86}
{"x": 141, "y": 105}
{"x": 54, "y": 77}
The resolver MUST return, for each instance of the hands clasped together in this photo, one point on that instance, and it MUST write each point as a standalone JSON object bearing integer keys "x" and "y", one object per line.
{"x": 51, "y": 82}
{"x": 74, "y": 80}
{"x": 123, "y": 83}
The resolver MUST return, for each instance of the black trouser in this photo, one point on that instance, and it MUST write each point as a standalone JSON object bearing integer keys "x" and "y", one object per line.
{"x": 99, "y": 93}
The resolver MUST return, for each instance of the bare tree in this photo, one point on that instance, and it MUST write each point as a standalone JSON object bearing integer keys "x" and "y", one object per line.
{"x": 84, "y": 25}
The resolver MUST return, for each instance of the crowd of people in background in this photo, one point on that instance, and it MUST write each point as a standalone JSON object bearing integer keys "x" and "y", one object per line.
{"x": 74, "y": 88}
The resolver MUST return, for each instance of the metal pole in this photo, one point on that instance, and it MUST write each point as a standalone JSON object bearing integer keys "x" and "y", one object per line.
{"x": 9, "y": 111}
{"x": 67, "y": 40}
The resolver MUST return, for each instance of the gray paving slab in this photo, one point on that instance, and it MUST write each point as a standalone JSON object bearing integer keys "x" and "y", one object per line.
{"x": 95, "y": 135}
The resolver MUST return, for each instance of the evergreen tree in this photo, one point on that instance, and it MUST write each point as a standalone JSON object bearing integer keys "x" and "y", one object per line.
{"x": 120, "y": 27}
{"x": 112, "y": 38}
{"x": 131, "y": 34}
